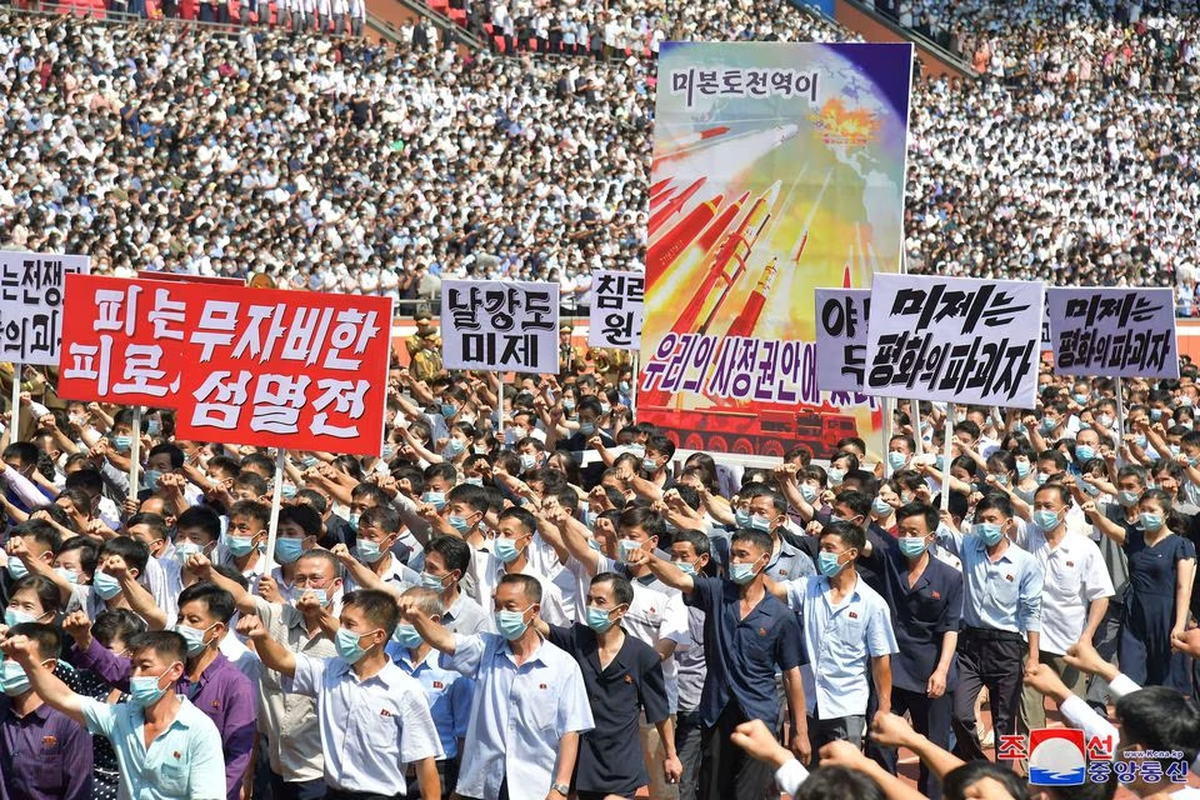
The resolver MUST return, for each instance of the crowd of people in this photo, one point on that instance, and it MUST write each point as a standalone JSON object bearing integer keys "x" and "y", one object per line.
{"x": 338, "y": 165}
{"x": 563, "y": 605}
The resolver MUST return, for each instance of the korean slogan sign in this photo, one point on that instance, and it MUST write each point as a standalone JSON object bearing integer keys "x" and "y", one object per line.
{"x": 265, "y": 367}
{"x": 615, "y": 317}
{"x": 1119, "y": 333}
{"x": 957, "y": 340}
{"x": 798, "y": 184}
{"x": 842, "y": 338}
{"x": 31, "y": 298}
{"x": 505, "y": 326}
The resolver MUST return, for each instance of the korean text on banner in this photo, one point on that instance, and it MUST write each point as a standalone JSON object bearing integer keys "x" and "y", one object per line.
{"x": 615, "y": 317}
{"x": 957, "y": 340}
{"x": 1116, "y": 333}
{"x": 31, "y": 304}
{"x": 842, "y": 338}
{"x": 503, "y": 326}
{"x": 778, "y": 168}
{"x": 274, "y": 368}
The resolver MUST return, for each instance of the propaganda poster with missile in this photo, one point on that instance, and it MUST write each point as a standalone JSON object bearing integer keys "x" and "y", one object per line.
{"x": 778, "y": 168}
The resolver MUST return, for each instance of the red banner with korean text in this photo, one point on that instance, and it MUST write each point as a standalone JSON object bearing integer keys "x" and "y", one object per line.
{"x": 265, "y": 367}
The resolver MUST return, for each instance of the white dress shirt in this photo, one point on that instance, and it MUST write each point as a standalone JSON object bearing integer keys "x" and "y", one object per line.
{"x": 518, "y": 716}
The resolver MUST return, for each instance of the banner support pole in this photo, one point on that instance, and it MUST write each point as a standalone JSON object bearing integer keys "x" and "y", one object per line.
{"x": 135, "y": 453}
{"x": 276, "y": 499}
{"x": 14, "y": 422}
{"x": 947, "y": 451}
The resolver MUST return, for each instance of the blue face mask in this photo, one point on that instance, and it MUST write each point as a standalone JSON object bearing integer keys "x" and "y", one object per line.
{"x": 153, "y": 427}
{"x": 352, "y": 520}
{"x": 828, "y": 564}
{"x": 387, "y": 452}
{"x": 367, "y": 551}
{"x": 144, "y": 690}
{"x": 836, "y": 476}
{"x": 686, "y": 568}
{"x": 13, "y": 679}
{"x": 881, "y": 507}
{"x": 239, "y": 546}
{"x": 348, "y": 645}
{"x": 185, "y": 550}
{"x": 150, "y": 477}
{"x": 459, "y": 524}
{"x": 194, "y": 638}
{"x": 1156, "y": 414}
{"x": 587, "y": 428}
{"x": 741, "y": 518}
{"x": 435, "y": 499}
{"x": 505, "y": 549}
{"x": 605, "y": 408}
{"x": 896, "y": 459}
{"x": 1048, "y": 425}
{"x": 288, "y": 550}
{"x": 106, "y": 585}
{"x": 912, "y": 546}
{"x": 432, "y": 582}
{"x": 1084, "y": 452}
{"x": 760, "y": 523}
{"x": 597, "y": 619}
{"x": 741, "y": 574}
{"x": 14, "y": 617}
{"x": 406, "y": 636}
{"x": 1140, "y": 440}
{"x": 1151, "y": 523}
{"x": 17, "y": 568}
{"x": 649, "y": 465}
{"x": 448, "y": 410}
{"x": 990, "y": 532}
{"x": 511, "y": 624}
{"x": 66, "y": 574}
{"x": 528, "y": 462}
{"x": 590, "y": 517}
{"x": 1022, "y": 469}
{"x": 568, "y": 405}
{"x": 1127, "y": 499}
{"x": 474, "y": 481}
{"x": 1081, "y": 399}
{"x": 1046, "y": 520}
{"x": 122, "y": 444}
{"x": 626, "y": 546}
{"x": 288, "y": 490}
{"x": 454, "y": 448}
{"x": 808, "y": 492}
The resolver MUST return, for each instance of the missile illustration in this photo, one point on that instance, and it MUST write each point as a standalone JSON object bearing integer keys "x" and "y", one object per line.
{"x": 800, "y": 249}
{"x": 689, "y": 257}
{"x": 745, "y": 322}
{"x": 673, "y": 206}
{"x": 729, "y": 263}
{"x": 664, "y": 250}
{"x": 701, "y": 136}
{"x": 655, "y": 188}
{"x": 783, "y": 133}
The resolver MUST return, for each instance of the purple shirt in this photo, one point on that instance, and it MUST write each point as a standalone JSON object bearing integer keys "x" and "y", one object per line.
{"x": 223, "y": 693}
{"x": 46, "y": 755}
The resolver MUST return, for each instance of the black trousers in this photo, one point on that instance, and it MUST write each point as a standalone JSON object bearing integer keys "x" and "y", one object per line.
{"x": 994, "y": 659}
{"x": 732, "y": 775}
{"x": 931, "y": 719}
